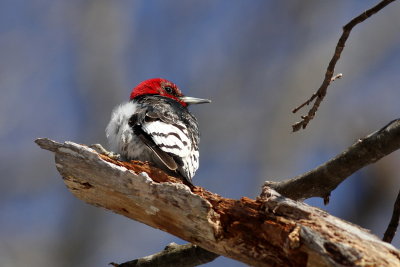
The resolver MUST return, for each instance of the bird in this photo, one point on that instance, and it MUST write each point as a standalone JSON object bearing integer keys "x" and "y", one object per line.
{"x": 155, "y": 125}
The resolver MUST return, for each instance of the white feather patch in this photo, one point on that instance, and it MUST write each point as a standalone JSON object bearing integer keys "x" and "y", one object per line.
{"x": 169, "y": 138}
{"x": 191, "y": 163}
{"x": 118, "y": 131}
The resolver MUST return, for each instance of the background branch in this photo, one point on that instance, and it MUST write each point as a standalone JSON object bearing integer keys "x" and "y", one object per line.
{"x": 270, "y": 231}
{"x": 320, "y": 181}
{"x": 187, "y": 255}
{"x": 320, "y": 94}
{"x": 394, "y": 221}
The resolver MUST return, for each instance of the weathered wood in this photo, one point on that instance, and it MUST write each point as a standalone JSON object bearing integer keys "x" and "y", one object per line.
{"x": 270, "y": 231}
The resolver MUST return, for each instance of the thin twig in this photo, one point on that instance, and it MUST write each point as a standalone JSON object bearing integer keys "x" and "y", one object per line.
{"x": 320, "y": 181}
{"x": 338, "y": 76}
{"x": 320, "y": 94}
{"x": 394, "y": 221}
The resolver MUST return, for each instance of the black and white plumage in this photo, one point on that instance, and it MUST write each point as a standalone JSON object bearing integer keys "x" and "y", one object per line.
{"x": 156, "y": 126}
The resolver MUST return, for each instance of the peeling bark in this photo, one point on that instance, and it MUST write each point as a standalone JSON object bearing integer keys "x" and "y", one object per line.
{"x": 270, "y": 231}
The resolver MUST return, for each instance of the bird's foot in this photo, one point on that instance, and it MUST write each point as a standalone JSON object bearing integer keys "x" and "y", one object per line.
{"x": 101, "y": 150}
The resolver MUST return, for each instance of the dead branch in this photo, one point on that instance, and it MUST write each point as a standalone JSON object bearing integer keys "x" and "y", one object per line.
{"x": 394, "y": 221}
{"x": 320, "y": 94}
{"x": 321, "y": 181}
{"x": 270, "y": 231}
{"x": 187, "y": 255}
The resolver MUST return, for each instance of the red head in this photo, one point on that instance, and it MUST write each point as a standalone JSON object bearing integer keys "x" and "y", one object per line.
{"x": 163, "y": 87}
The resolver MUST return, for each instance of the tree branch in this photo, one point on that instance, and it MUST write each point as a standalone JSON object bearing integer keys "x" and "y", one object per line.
{"x": 270, "y": 231}
{"x": 321, "y": 181}
{"x": 187, "y": 255}
{"x": 394, "y": 221}
{"x": 320, "y": 94}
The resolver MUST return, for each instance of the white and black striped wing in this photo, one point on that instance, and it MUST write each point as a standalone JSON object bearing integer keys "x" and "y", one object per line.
{"x": 172, "y": 133}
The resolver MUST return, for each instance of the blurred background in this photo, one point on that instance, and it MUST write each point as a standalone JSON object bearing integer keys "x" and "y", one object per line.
{"x": 66, "y": 64}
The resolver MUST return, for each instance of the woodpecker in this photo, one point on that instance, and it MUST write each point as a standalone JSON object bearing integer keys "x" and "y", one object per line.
{"x": 156, "y": 126}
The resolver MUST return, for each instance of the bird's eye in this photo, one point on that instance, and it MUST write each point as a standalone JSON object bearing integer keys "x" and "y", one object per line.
{"x": 169, "y": 90}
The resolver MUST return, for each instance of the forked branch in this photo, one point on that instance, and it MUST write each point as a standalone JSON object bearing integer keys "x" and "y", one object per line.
{"x": 320, "y": 94}
{"x": 321, "y": 181}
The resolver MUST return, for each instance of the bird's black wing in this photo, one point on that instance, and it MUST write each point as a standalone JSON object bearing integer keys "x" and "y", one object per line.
{"x": 163, "y": 127}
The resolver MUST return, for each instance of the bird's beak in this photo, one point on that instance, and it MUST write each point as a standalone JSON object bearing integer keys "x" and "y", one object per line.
{"x": 194, "y": 100}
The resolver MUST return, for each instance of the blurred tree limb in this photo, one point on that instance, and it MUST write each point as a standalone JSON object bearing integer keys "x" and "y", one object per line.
{"x": 320, "y": 94}
{"x": 321, "y": 181}
{"x": 270, "y": 231}
{"x": 173, "y": 255}
{"x": 394, "y": 221}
